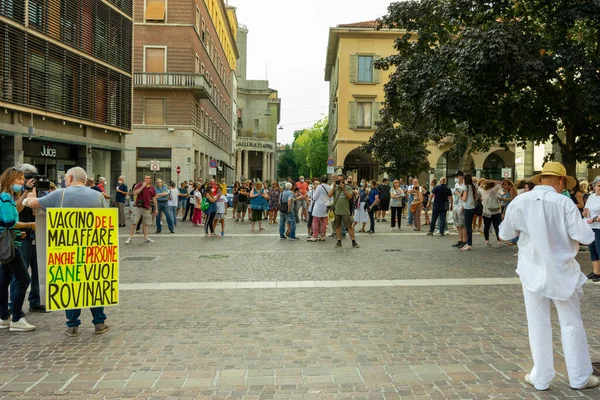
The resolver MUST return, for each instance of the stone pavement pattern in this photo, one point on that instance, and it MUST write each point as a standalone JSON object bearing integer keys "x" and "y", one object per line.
{"x": 390, "y": 341}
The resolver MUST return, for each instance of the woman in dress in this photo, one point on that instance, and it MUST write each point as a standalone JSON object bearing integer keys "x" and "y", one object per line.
{"x": 274, "y": 194}
{"x": 236, "y": 195}
{"x": 258, "y": 200}
{"x": 361, "y": 216}
{"x": 417, "y": 205}
{"x": 396, "y": 194}
{"x": 320, "y": 199}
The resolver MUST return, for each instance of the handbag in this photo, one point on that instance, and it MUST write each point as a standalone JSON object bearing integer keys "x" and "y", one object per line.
{"x": 205, "y": 204}
{"x": 7, "y": 246}
{"x": 413, "y": 208}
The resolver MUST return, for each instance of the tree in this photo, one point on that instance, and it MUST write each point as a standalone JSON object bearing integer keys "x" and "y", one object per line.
{"x": 286, "y": 165}
{"x": 492, "y": 72}
{"x": 309, "y": 151}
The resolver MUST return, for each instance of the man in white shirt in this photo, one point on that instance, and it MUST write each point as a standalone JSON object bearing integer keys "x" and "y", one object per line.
{"x": 550, "y": 228}
{"x": 458, "y": 209}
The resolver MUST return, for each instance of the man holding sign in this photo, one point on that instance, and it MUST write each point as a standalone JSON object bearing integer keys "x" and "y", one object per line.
{"x": 67, "y": 274}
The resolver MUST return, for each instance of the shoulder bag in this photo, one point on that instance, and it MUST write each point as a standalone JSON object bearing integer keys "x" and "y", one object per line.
{"x": 7, "y": 246}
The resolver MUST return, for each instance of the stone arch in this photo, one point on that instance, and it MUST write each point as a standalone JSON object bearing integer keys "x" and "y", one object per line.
{"x": 360, "y": 165}
{"x": 446, "y": 167}
{"x": 495, "y": 162}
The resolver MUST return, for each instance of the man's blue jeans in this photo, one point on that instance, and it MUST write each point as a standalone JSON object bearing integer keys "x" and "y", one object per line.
{"x": 289, "y": 218}
{"x": 73, "y": 316}
{"x": 411, "y": 197}
{"x": 163, "y": 208}
{"x": 28, "y": 252}
{"x": 439, "y": 216}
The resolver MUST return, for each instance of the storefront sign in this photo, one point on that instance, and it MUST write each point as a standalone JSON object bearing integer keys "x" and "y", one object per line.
{"x": 32, "y": 148}
{"x": 255, "y": 144}
{"x": 48, "y": 151}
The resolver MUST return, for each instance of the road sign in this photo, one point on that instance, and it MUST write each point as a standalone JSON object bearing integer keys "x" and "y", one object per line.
{"x": 154, "y": 166}
{"x": 331, "y": 162}
{"x": 330, "y": 170}
{"x": 506, "y": 173}
{"x": 178, "y": 170}
{"x": 213, "y": 164}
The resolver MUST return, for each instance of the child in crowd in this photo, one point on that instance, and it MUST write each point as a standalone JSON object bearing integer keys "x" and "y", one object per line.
{"x": 221, "y": 202}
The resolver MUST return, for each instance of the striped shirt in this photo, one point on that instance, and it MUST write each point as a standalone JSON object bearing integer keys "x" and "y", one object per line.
{"x": 9, "y": 216}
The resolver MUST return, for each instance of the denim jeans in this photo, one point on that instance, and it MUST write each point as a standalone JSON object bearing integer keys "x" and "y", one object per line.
{"x": 174, "y": 214}
{"x": 410, "y": 214}
{"x": 396, "y": 216}
{"x": 595, "y": 246}
{"x": 189, "y": 208}
{"x": 289, "y": 218}
{"x": 438, "y": 212}
{"x": 28, "y": 252}
{"x": 469, "y": 214}
{"x": 73, "y": 316}
{"x": 372, "y": 219}
{"x": 163, "y": 208}
{"x": 17, "y": 268}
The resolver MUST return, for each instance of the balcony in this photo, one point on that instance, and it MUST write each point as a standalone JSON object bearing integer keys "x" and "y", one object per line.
{"x": 173, "y": 81}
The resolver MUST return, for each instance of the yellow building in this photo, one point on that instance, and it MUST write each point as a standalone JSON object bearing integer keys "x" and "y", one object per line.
{"x": 355, "y": 97}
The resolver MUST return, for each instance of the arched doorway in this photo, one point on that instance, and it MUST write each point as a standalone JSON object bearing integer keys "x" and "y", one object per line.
{"x": 446, "y": 167}
{"x": 495, "y": 162}
{"x": 361, "y": 165}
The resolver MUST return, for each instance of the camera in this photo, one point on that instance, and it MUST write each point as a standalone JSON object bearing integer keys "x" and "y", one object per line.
{"x": 42, "y": 184}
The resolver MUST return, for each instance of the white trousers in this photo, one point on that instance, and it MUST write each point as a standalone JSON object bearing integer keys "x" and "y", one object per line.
{"x": 572, "y": 333}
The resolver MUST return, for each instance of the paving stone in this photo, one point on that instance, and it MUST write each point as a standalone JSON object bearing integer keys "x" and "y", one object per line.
{"x": 106, "y": 384}
{"x": 318, "y": 379}
{"x": 198, "y": 383}
{"x": 315, "y": 371}
{"x": 15, "y": 387}
{"x": 232, "y": 372}
{"x": 140, "y": 384}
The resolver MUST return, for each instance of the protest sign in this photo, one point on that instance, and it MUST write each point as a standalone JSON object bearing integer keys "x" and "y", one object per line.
{"x": 82, "y": 258}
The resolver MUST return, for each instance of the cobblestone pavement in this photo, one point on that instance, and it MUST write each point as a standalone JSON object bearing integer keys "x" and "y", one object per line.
{"x": 271, "y": 327}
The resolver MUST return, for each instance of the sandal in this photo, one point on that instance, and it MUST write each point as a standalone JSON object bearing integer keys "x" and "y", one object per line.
{"x": 262, "y": 229}
{"x": 362, "y": 230}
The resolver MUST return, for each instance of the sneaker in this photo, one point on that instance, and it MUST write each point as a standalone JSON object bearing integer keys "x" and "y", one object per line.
{"x": 72, "y": 331}
{"x": 593, "y": 382}
{"x": 591, "y": 275}
{"x": 312, "y": 239}
{"x": 293, "y": 238}
{"x": 333, "y": 235}
{"x": 282, "y": 237}
{"x": 338, "y": 244}
{"x": 21, "y": 326}
{"x": 378, "y": 220}
{"x": 466, "y": 247}
{"x": 321, "y": 238}
{"x": 370, "y": 232}
{"x": 128, "y": 241}
{"x": 158, "y": 232}
{"x": 355, "y": 245}
{"x": 392, "y": 229}
{"x": 596, "y": 280}
{"x": 459, "y": 244}
{"x": 429, "y": 233}
{"x": 222, "y": 233}
{"x": 148, "y": 240}
{"x": 528, "y": 380}
{"x": 101, "y": 328}
{"x": 39, "y": 309}
{"x": 5, "y": 323}
{"x": 384, "y": 220}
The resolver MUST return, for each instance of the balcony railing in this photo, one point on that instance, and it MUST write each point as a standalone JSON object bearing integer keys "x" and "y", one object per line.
{"x": 173, "y": 81}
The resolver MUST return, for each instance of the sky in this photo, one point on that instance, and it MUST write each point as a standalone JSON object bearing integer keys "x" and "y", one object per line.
{"x": 287, "y": 44}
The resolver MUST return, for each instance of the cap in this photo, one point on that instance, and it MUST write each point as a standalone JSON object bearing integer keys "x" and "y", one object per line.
{"x": 459, "y": 173}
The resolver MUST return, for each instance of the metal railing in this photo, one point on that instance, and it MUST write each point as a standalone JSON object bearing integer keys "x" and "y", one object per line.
{"x": 171, "y": 80}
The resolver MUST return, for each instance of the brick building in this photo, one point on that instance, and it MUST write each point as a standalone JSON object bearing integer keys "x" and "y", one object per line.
{"x": 65, "y": 84}
{"x": 185, "y": 57}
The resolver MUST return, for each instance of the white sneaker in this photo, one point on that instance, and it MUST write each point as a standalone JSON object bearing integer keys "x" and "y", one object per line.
{"x": 148, "y": 240}
{"x": 5, "y": 323}
{"x": 128, "y": 241}
{"x": 21, "y": 326}
{"x": 593, "y": 382}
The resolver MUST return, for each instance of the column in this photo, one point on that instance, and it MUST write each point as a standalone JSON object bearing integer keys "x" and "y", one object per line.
{"x": 524, "y": 161}
{"x": 264, "y": 166}
{"x": 238, "y": 165}
{"x": 269, "y": 175}
{"x": 246, "y": 169}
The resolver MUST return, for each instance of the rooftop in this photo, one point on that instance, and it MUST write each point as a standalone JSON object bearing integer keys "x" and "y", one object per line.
{"x": 365, "y": 24}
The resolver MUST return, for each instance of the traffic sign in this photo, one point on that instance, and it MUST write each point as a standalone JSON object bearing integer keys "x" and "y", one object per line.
{"x": 154, "y": 166}
{"x": 178, "y": 170}
{"x": 330, "y": 170}
{"x": 330, "y": 162}
{"x": 506, "y": 173}
{"x": 213, "y": 164}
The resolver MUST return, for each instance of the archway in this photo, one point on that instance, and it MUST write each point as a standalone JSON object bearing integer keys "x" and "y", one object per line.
{"x": 446, "y": 167}
{"x": 495, "y": 162}
{"x": 361, "y": 165}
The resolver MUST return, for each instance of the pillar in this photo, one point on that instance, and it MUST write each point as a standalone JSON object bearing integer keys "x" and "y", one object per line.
{"x": 246, "y": 169}
{"x": 270, "y": 166}
{"x": 238, "y": 165}
{"x": 524, "y": 161}
{"x": 264, "y": 166}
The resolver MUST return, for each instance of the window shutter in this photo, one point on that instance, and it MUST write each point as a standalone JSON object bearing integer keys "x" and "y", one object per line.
{"x": 376, "y": 116}
{"x": 353, "y": 68}
{"x": 353, "y": 111}
{"x": 155, "y": 10}
{"x": 155, "y": 60}
{"x": 154, "y": 111}
{"x": 376, "y": 72}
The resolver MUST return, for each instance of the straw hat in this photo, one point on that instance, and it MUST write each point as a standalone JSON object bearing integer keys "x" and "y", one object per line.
{"x": 554, "y": 169}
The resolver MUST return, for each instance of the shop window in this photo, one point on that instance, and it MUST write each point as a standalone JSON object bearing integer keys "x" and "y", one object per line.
{"x": 155, "y": 10}
{"x": 154, "y": 111}
{"x": 155, "y": 59}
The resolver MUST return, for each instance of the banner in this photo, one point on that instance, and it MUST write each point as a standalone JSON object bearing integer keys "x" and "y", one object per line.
{"x": 82, "y": 258}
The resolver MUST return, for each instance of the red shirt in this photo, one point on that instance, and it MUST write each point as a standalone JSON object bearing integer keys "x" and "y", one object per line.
{"x": 303, "y": 186}
{"x": 101, "y": 186}
{"x": 144, "y": 199}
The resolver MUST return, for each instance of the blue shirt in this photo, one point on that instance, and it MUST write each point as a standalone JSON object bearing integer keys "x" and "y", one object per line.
{"x": 257, "y": 202}
{"x": 372, "y": 194}
{"x": 9, "y": 216}
{"x": 120, "y": 197}
{"x": 163, "y": 189}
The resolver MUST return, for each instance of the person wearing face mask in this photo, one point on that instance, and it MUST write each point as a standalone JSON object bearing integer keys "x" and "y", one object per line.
{"x": 120, "y": 197}
{"x": 550, "y": 228}
{"x": 303, "y": 188}
{"x": 361, "y": 216}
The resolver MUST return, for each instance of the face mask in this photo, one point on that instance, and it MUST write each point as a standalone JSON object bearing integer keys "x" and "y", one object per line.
{"x": 362, "y": 184}
{"x": 456, "y": 180}
{"x": 16, "y": 188}
{"x": 301, "y": 180}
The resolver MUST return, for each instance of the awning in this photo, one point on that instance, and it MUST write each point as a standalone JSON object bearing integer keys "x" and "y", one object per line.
{"x": 65, "y": 141}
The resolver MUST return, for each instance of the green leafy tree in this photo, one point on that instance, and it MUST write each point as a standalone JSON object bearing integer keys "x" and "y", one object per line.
{"x": 309, "y": 151}
{"x": 491, "y": 72}
{"x": 286, "y": 165}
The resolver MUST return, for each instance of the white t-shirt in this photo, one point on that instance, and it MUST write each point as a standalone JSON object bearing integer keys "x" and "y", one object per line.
{"x": 173, "y": 198}
{"x": 197, "y": 197}
{"x": 593, "y": 204}
{"x": 321, "y": 198}
{"x": 459, "y": 188}
{"x": 220, "y": 202}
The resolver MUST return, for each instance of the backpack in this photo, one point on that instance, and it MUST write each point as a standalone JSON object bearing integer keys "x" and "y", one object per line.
{"x": 283, "y": 206}
{"x": 384, "y": 193}
{"x": 479, "y": 207}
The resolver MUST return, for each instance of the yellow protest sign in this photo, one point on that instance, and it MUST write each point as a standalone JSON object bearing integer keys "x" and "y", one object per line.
{"x": 82, "y": 258}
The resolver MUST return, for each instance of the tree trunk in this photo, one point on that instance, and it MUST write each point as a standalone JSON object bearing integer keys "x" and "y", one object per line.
{"x": 568, "y": 155}
{"x": 465, "y": 156}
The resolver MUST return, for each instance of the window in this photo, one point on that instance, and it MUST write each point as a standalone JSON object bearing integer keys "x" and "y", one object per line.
{"x": 100, "y": 39}
{"x": 37, "y": 80}
{"x": 203, "y": 30}
{"x": 155, "y": 59}
{"x": 256, "y": 125}
{"x": 197, "y": 20}
{"x": 154, "y": 111}
{"x": 197, "y": 64}
{"x": 364, "y": 114}
{"x": 68, "y": 22}
{"x": 365, "y": 68}
{"x": 36, "y": 14}
{"x": 155, "y": 10}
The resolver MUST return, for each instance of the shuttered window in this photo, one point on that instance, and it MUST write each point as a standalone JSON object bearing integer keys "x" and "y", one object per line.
{"x": 155, "y": 59}
{"x": 363, "y": 114}
{"x": 155, "y": 10}
{"x": 154, "y": 111}
{"x": 362, "y": 69}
